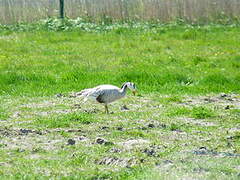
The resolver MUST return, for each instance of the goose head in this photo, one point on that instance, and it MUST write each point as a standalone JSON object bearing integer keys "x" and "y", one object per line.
{"x": 131, "y": 86}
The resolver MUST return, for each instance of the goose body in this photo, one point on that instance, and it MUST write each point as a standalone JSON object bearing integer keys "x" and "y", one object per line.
{"x": 106, "y": 94}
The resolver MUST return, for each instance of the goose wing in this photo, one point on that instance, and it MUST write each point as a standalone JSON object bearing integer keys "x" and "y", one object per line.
{"x": 100, "y": 93}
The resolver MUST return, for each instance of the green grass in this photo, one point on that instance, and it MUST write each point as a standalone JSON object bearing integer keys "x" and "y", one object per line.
{"x": 179, "y": 71}
{"x": 70, "y": 119}
{"x": 165, "y": 62}
{"x": 202, "y": 112}
{"x": 3, "y": 114}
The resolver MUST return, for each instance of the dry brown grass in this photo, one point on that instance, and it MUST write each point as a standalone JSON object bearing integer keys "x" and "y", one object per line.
{"x": 164, "y": 10}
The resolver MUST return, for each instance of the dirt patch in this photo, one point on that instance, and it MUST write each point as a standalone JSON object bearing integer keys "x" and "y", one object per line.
{"x": 225, "y": 101}
{"x": 153, "y": 150}
{"x": 165, "y": 163}
{"x": 175, "y": 135}
{"x": 64, "y": 130}
{"x": 34, "y": 143}
{"x": 43, "y": 104}
{"x": 114, "y": 161}
{"x": 133, "y": 143}
{"x": 47, "y": 113}
{"x": 115, "y": 150}
{"x": 198, "y": 122}
{"x": 103, "y": 141}
{"x": 203, "y": 151}
{"x": 6, "y": 132}
{"x": 29, "y": 139}
{"x": 152, "y": 125}
{"x": 233, "y": 130}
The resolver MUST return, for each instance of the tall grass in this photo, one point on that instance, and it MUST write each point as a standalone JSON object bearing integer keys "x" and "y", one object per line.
{"x": 164, "y": 59}
{"x": 200, "y": 11}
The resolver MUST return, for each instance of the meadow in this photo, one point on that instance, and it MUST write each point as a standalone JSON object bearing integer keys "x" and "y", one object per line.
{"x": 184, "y": 122}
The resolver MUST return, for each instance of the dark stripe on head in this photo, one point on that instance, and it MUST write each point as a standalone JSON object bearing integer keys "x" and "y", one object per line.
{"x": 123, "y": 85}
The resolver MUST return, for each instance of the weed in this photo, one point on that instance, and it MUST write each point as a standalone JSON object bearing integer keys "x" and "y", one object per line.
{"x": 202, "y": 112}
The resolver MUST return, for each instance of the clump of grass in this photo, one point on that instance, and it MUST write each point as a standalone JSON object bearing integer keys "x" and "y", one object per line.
{"x": 67, "y": 120}
{"x": 2, "y": 145}
{"x": 178, "y": 111}
{"x": 79, "y": 159}
{"x": 199, "y": 112}
{"x": 202, "y": 112}
{"x": 189, "y": 35}
{"x": 135, "y": 133}
{"x": 174, "y": 99}
{"x": 3, "y": 114}
{"x": 174, "y": 127}
{"x": 170, "y": 99}
{"x": 217, "y": 78}
{"x": 235, "y": 112}
{"x": 197, "y": 60}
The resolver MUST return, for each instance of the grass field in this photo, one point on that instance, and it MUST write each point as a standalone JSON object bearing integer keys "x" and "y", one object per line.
{"x": 184, "y": 123}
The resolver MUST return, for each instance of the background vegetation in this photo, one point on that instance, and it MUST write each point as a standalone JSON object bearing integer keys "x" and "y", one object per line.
{"x": 194, "y": 11}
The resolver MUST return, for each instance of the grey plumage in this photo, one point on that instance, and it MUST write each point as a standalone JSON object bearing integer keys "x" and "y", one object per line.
{"x": 106, "y": 94}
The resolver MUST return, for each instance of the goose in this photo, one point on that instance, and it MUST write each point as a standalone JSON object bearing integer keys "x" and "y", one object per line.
{"x": 106, "y": 93}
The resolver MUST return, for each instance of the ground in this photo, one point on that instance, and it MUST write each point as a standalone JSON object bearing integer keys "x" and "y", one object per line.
{"x": 150, "y": 136}
{"x": 184, "y": 122}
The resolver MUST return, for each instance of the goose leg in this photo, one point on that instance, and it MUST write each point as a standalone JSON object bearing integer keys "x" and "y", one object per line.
{"x": 106, "y": 109}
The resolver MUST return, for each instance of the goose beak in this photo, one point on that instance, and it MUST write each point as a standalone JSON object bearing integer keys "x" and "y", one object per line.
{"x": 134, "y": 93}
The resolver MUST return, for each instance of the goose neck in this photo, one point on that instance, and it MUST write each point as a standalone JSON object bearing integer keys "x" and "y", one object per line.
{"x": 124, "y": 89}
